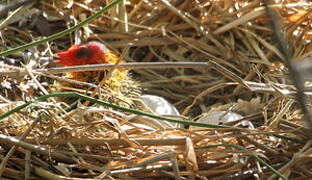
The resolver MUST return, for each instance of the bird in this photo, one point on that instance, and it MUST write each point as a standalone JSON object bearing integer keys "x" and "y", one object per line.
{"x": 121, "y": 88}
{"x": 83, "y": 54}
{"x": 119, "y": 84}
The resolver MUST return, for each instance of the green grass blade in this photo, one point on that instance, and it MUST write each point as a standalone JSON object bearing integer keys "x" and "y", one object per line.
{"x": 60, "y": 34}
{"x": 97, "y": 101}
{"x": 100, "y": 102}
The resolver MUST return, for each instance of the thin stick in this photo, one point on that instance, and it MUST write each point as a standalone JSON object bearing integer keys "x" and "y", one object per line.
{"x": 35, "y": 148}
{"x": 101, "y": 67}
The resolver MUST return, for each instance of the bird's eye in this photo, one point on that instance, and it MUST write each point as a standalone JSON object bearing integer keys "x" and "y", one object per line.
{"x": 83, "y": 52}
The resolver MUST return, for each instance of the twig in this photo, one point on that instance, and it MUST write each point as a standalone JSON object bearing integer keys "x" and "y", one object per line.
{"x": 27, "y": 164}
{"x": 124, "y": 27}
{"x": 166, "y": 155}
{"x": 112, "y": 142}
{"x": 35, "y": 148}
{"x": 244, "y": 19}
{"x": 146, "y": 65}
{"x": 170, "y": 174}
{"x": 181, "y": 14}
{"x": 101, "y": 67}
{"x": 49, "y": 175}
{"x": 137, "y": 169}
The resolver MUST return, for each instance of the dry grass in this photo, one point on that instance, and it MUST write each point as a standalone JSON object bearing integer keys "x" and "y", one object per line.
{"x": 52, "y": 140}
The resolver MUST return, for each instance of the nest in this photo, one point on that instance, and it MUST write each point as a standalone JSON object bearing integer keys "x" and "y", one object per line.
{"x": 52, "y": 139}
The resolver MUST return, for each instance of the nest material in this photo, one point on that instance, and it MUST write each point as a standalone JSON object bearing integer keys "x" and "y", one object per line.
{"x": 97, "y": 142}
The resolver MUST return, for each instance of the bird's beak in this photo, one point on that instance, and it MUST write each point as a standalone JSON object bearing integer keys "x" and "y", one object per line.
{"x": 56, "y": 59}
{"x": 55, "y": 56}
{"x": 64, "y": 58}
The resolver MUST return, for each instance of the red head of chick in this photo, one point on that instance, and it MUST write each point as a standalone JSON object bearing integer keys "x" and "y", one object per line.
{"x": 82, "y": 54}
{"x": 89, "y": 53}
